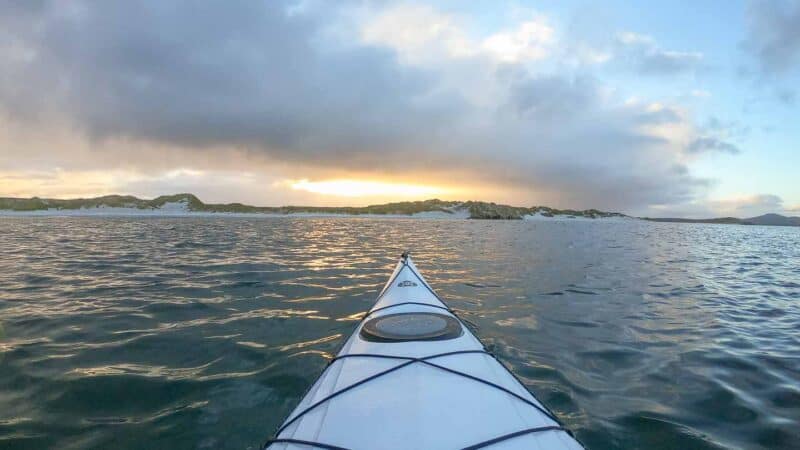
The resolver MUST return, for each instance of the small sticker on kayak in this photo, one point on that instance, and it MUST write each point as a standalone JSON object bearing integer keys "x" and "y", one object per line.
{"x": 406, "y": 283}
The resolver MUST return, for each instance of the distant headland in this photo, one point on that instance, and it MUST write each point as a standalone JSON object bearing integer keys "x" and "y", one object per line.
{"x": 190, "y": 204}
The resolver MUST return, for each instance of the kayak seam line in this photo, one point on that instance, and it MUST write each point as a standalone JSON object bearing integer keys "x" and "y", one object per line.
{"x": 405, "y": 358}
{"x": 508, "y": 436}
{"x": 496, "y": 386}
{"x": 410, "y": 360}
{"x": 389, "y": 283}
{"x": 369, "y": 313}
{"x": 513, "y": 375}
{"x": 404, "y": 264}
{"x": 548, "y": 411}
{"x": 455, "y": 372}
{"x": 424, "y": 283}
{"x": 303, "y": 442}
{"x": 365, "y": 380}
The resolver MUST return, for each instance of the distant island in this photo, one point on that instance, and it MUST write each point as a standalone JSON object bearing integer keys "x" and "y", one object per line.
{"x": 766, "y": 219}
{"x": 189, "y": 204}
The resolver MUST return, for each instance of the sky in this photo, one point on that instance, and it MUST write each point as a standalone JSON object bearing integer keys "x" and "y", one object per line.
{"x": 674, "y": 108}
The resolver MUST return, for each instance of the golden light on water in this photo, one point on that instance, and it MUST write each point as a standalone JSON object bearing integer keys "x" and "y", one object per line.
{"x": 359, "y": 188}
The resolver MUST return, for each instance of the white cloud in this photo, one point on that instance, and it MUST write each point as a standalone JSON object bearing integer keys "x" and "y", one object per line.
{"x": 530, "y": 41}
{"x": 631, "y": 38}
{"x": 586, "y": 54}
{"x": 418, "y": 33}
{"x": 421, "y": 34}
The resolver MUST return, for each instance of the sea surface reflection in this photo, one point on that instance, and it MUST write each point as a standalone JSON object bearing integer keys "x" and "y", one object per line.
{"x": 204, "y": 332}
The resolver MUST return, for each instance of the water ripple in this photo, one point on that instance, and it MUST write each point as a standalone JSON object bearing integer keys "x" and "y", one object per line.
{"x": 204, "y": 333}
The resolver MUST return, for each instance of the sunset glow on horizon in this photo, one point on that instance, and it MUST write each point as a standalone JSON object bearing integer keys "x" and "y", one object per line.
{"x": 364, "y": 188}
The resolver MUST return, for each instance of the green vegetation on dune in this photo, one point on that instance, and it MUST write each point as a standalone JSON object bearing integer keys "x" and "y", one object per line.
{"x": 484, "y": 210}
{"x": 397, "y": 208}
{"x": 109, "y": 201}
{"x": 476, "y": 209}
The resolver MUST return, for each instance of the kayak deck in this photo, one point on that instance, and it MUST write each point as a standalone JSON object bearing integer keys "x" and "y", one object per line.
{"x": 407, "y": 378}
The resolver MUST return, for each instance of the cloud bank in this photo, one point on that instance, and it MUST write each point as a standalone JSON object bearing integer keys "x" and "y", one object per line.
{"x": 397, "y": 91}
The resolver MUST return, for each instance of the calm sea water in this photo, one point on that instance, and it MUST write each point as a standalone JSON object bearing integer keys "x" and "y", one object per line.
{"x": 195, "y": 333}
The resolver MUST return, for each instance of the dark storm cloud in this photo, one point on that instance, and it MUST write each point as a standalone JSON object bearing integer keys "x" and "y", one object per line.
{"x": 273, "y": 78}
{"x": 582, "y": 150}
{"x": 242, "y": 73}
{"x": 717, "y": 136}
{"x": 774, "y": 35}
